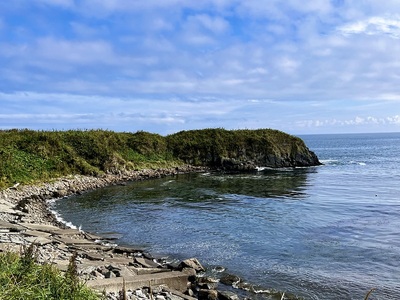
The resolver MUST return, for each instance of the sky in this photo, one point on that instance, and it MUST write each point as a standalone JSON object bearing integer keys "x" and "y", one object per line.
{"x": 303, "y": 67}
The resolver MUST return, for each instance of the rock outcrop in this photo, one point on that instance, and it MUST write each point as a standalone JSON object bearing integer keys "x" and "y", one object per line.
{"x": 241, "y": 150}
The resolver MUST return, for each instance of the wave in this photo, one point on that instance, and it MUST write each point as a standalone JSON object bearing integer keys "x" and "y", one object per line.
{"x": 329, "y": 161}
{"x": 58, "y": 217}
{"x": 335, "y": 162}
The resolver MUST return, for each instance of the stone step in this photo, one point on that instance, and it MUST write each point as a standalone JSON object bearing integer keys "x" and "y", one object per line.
{"x": 174, "y": 280}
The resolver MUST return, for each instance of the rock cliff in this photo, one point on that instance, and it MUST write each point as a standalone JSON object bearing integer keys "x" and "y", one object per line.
{"x": 241, "y": 150}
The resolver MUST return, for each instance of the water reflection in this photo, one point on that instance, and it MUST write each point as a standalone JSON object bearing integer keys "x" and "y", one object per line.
{"x": 215, "y": 187}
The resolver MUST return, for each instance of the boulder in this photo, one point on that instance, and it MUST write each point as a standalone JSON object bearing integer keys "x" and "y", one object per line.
{"x": 226, "y": 295}
{"x": 207, "y": 294}
{"x": 192, "y": 263}
{"x": 229, "y": 279}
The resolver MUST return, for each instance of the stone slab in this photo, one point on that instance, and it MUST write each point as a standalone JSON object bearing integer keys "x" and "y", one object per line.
{"x": 67, "y": 231}
{"x": 10, "y": 226}
{"x": 40, "y": 227}
{"x": 118, "y": 260}
{"x": 36, "y": 233}
{"x": 7, "y": 209}
{"x": 147, "y": 263}
{"x": 91, "y": 246}
{"x": 69, "y": 241}
{"x": 174, "y": 280}
{"x": 38, "y": 240}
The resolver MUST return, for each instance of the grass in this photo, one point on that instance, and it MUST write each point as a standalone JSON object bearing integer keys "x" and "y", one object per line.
{"x": 28, "y": 156}
{"x": 22, "y": 278}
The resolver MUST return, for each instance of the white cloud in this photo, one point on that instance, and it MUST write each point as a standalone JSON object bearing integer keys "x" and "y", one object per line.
{"x": 151, "y": 52}
{"x": 356, "y": 121}
{"x": 374, "y": 26}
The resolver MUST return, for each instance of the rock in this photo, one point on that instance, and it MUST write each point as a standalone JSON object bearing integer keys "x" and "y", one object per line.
{"x": 147, "y": 263}
{"x": 110, "y": 274}
{"x": 226, "y": 295}
{"x": 192, "y": 263}
{"x": 139, "y": 293}
{"x": 92, "y": 256}
{"x": 97, "y": 274}
{"x": 190, "y": 292}
{"x": 60, "y": 193}
{"x": 229, "y": 279}
{"x": 207, "y": 283}
{"x": 207, "y": 294}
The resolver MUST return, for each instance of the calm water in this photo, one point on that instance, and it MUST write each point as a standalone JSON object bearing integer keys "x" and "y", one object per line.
{"x": 328, "y": 232}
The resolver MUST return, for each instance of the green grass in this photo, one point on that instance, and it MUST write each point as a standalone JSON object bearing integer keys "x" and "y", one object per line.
{"x": 28, "y": 156}
{"x": 22, "y": 278}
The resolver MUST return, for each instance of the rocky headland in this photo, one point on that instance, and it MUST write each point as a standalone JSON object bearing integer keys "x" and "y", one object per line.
{"x": 103, "y": 158}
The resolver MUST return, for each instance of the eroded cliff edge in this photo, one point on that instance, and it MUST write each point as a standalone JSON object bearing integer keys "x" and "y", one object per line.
{"x": 241, "y": 150}
{"x": 28, "y": 156}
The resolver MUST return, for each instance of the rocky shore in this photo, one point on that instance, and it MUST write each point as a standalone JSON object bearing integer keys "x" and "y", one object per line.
{"x": 118, "y": 272}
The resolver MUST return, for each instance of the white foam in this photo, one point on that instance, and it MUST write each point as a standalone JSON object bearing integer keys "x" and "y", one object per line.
{"x": 59, "y": 218}
{"x": 328, "y": 161}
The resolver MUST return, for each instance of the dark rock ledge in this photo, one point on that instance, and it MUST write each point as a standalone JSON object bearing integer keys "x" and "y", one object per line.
{"x": 25, "y": 219}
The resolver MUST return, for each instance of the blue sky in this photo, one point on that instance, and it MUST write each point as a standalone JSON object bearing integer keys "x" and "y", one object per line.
{"x": 168, "y": 65}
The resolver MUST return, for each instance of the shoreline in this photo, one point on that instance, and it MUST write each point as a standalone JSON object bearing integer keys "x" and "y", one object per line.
{"x": 26, "y": 218}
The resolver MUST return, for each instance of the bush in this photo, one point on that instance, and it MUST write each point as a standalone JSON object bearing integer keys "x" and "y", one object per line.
{"x": 22, "y": 278}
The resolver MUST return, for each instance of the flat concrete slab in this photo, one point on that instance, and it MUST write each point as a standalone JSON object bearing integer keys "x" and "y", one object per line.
{"x": 174, "y": 280}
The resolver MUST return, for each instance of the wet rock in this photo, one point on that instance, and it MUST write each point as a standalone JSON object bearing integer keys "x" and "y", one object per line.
{"x": 207, "y": 294}
{"x": 207, "y": 283}
{"x": 229, "y": 279}
{"x": 192, "y": 263}
{"x": 226, "y": 295}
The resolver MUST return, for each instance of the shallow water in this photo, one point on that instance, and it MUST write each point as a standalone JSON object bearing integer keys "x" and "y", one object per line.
{"x": 328, "y": 232}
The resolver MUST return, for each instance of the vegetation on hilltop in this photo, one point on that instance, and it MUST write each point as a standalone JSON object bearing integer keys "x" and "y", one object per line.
{"x": 27, "y": 156}
{"x": 240, "y": 149}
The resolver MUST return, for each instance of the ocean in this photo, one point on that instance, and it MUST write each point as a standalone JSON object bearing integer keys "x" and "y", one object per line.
{"x": 326, "y": 232}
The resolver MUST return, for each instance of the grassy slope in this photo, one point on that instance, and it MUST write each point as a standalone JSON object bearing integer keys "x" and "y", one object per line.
{"x": 27, "y": 156}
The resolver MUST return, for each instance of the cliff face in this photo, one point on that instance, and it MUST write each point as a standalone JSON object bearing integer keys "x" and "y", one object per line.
{"x": 29, "y": 156}
{"x": 241, "y": 150}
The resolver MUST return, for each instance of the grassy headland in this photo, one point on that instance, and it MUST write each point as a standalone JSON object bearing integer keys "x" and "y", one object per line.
{"x": 28, "y": 156}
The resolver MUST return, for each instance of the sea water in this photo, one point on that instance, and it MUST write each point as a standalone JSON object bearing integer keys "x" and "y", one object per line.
{"x": 327, "y": 232}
